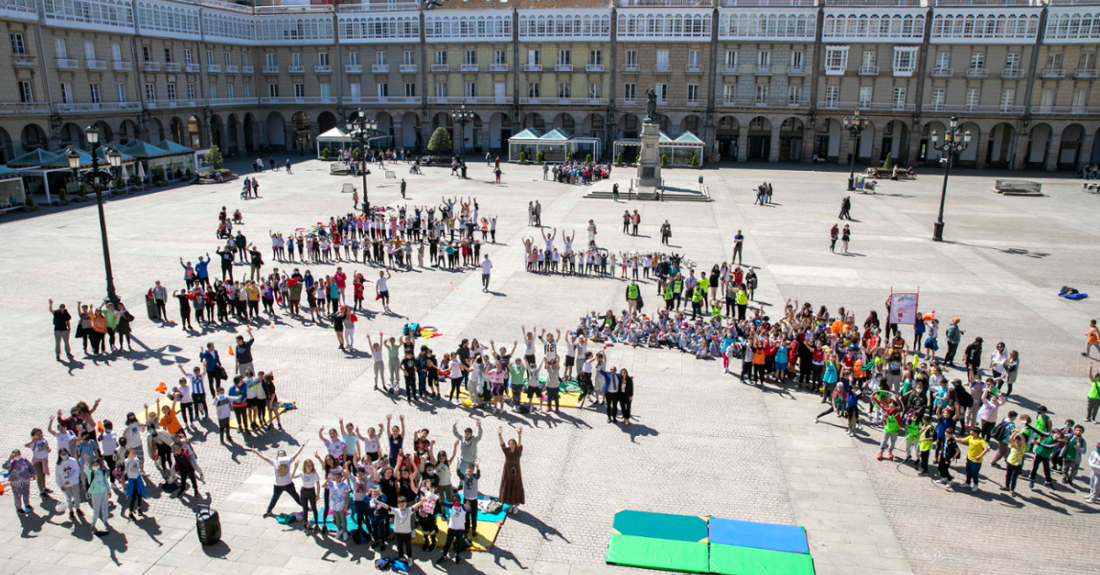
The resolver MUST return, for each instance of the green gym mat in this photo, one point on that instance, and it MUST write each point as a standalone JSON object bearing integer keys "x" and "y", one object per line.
{"x": 688, "y": 528}
{"x": 732, "y": 560}
{"x": 661, "y": 554}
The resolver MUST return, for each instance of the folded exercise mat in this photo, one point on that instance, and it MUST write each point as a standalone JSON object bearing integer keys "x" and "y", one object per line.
{"x": 733, "y": 560}
{"x": 661, "y": 554}
{"x": 789, "y": 538}
{"x": 486, "y": 534}
{"x": 689, "y": 528}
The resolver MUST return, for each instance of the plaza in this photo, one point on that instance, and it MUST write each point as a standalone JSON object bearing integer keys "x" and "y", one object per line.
{"x": 703, "y": 443}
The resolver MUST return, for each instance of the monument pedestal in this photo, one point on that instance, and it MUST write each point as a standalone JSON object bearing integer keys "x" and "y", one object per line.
{"x": 649, "y": 160}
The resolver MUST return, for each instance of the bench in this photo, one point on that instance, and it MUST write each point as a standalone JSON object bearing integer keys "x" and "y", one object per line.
{"x": 339, "y": 169}
{"x": 1018, "y": 188}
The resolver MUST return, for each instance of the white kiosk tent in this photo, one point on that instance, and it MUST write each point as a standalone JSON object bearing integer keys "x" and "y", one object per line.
{"x": 12, "y": 194}
{"x": 555, "y": 145}
{"x": 53, "y": 171}
{"x": 337, "y": 140}
{"x": 678, "y": 151}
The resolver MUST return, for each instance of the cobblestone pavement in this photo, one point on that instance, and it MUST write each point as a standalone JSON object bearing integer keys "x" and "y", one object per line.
{"x": 703, "y": 444}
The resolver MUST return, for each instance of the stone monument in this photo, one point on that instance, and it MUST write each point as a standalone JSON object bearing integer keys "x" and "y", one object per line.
{"x": 649, "y": 157}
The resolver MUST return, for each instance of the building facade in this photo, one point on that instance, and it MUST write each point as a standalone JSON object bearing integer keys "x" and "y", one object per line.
{"x": 757, "y": 80}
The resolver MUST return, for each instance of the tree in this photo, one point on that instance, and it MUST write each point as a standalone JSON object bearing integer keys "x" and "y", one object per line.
{"x": 889, "y": 163}
{"x": 214, "y": 157}
{"x": 664, "y": 159}
{"x": 440, "y": 143}
{"x": 523, "y": 157}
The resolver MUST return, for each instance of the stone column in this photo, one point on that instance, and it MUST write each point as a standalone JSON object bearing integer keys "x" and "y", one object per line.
{"x": 876, "y": 146}
{"x": 809, "y": 142}
{"x": 773, "y": 153}
{"x": 1021, "y": 151}
{"x": 1084, "y": 156}
{"x": 845, "y": 148}
{"x": 241, "y": 149}
{"x": 914, "y": 148}
{"x": 1053, "y": 149}
{"x": 743, "y": 143}
{"x": 983, "y": 147}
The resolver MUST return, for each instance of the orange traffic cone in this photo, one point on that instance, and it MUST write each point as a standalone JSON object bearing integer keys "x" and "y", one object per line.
{"x": 230, "y": 350}
{"x": 2, "y": 489}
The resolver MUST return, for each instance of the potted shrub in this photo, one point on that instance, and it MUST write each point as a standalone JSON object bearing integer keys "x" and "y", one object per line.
{"x": 889, "y": 163}
{"x": 619, "y": 159}
{"x": 588, "y": 158}
{"x": 29, "y": 205}
{"x": 83, "y": 191}
{"x": 664, "y": 159}
{"x": 63, "y": 197}
{"x": 119, "y": 186}
{"x": 694, "y": 161}
{"x": 539, "y": 157}
{"x": 523, "y": 157}
{"x": 324, "y": 154}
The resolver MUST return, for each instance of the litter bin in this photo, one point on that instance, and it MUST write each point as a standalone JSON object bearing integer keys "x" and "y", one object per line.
{"x": 151, "y": 307}
{"x": 209, "y": 526}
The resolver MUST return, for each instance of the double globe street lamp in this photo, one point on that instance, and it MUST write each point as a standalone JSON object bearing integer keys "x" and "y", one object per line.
{"x": 358, "y": 130}
{"x": 462, "y": 117}
{"x": 954, "y": 142}
{"x": 98, "y": 180}
{"x": 855, "y": 124}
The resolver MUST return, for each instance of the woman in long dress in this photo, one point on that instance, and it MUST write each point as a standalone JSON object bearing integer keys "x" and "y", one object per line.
{"x": 511, "y": 484}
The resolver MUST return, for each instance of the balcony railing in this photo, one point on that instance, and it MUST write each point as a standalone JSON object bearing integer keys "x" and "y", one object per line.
{"x": 779, "y": 3}
{"x": 470, "y": 100}
{"x": 762, "y": 69}
{"x": 1066, "y": 110}
{"x": 661, "y": 67}
{"x": 1054, "y": 73}
{"x": 271, "y": 69}
{"x": 234, "y": 101}
{"x": 773, "y": 104}
{"x": 1012, "y": 73}
{"x": 563, "y": 67}
{"x": 231, "y": 68}
{"x": 353, "y": 69}
{"x": 296, "y": 69}
{"x": 731, "y": 69}
{"x": 974, "y": 108}
{"x": 564, "y": 101}
{"x": 169, "y": 104}
{"x": 213, "y": 68}
{"x": 411, "y": 68}
{"x": 942, "y": 72}
{"x": 868, "y": 70}
{"x": 880, "y": 106}
{"x": 665, "y": 3}
{"x": 24, "y": 61}
{"x": 248, "y": 69}
{"x": 441, "y": 68}
{"x": 469, "y": 68}
{"x": 192, "y": 68}
{"x": 796, "y": 70}
{"x": 172, "y": 67}
{"x": 976, "y": 72}
{"x": 322, "y": 69}
{"x": 1085, "y": 73}
{"x": 95, "y": 64}
{"x": 630, "y": 67}
{"x": 299, "y": 100}
{"x": 626, "y": 102}
{"x": 498, "y": 67}
{"x": 685, "y": 102}
{"x": 66, "y": 64}
{"x": 381, "y": 99}
{"x": 532, "y": 67}
{"x": 100, "y": 107}
{"x": 986, "y": 2}
{"x": 379, "y": 68}
{"x": 694, "y": 68}
{"x": 878, "y": 3}
{"x": 379, "y": 7}
{"x": 121, "y": 66}
{"x": 150, "y": 66}
{"x": 593, "y": 68}
{"x": 24, "y": 108}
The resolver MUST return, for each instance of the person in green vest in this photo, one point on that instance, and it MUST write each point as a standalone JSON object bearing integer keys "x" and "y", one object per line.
{"x": 632, "y": 293}
{"x": 912, "y": 439}
{"x": 1045, "y": 445}
{"x": 742, "y": 301}
{"x": 1094, "y": 394}
{"x": 927, "y": 441}
{"x": 668, "y": 295}
{"x": 704, "y": 282}
{"x": 677, "y": 289}
{"x": 890, "y": 429}
{"x": 715, "y": 311}
{"x": 696, "y": 301}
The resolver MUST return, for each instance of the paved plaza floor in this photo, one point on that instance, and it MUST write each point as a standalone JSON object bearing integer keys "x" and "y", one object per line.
{"x": 703, "y": 443}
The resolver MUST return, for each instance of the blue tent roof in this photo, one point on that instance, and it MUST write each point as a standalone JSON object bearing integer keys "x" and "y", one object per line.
{"x": 556, "y": 134}
{"x": 6, "y": 172}
{"x": 33, "y": 159}
{"x": 61, "y": 160}
{"x": 143, "y": 150}
{"x": 528, "y": 134}
{"x": 689, "y": 138}
{"x": 173, "y": 147}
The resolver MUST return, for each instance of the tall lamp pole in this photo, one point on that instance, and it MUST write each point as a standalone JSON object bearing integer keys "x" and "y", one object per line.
{"x": 98, "y": 180}
{"x": 462, "y": 116}
{"x": 358, "y": 129}
{"x": 954, "y": 142}
{"x": 855, "y": 125}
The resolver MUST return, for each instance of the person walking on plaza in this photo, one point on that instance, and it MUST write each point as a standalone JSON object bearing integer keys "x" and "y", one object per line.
{"x": 953, "y": 335}
{"x": 1092, "y": 338}
{"x": 61, "y": 328}
{"x": 738, "y": 243}
{"x": 834, "y": 233}
{"x": 666, "y": 232}
{"x": 486, "y": 268}
{"x": 845, "y": 207}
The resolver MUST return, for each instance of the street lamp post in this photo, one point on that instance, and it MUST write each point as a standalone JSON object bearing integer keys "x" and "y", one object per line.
{"x": 954, "y": 142}
{"x": 461, "y": 117}
{"x": 855, "y": 125}
{"x": 98, "y": 180}
{"x": 357, "y": 128}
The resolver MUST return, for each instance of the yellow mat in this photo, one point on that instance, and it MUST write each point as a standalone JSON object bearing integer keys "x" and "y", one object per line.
{"x": 565, "y": 399}
{"x": 486, "y": 534}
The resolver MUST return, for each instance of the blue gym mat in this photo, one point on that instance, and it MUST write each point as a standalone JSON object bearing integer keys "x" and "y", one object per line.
{"x": 769, "y": 536}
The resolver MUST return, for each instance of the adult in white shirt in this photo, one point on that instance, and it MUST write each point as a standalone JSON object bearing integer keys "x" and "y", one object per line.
{"x": 382, "y": 288}
{"x": 486, "y": 267}
{"x": 283, "y": 481}
{"x": 997, "y": 360}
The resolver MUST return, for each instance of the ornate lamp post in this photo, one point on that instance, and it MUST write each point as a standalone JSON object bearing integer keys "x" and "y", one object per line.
{"x": 461, "y": 117}
{"x": 98, "y": 180}
{"x": 357, "y": 129}
{"x": 954, "y": 142}
{"x": 855, "y": 125}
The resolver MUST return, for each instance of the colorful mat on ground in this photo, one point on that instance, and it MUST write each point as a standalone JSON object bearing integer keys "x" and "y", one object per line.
{"x": 568, "y": 396}
{"x": 707, "y": 545}
{"x": 488, "y": 525}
